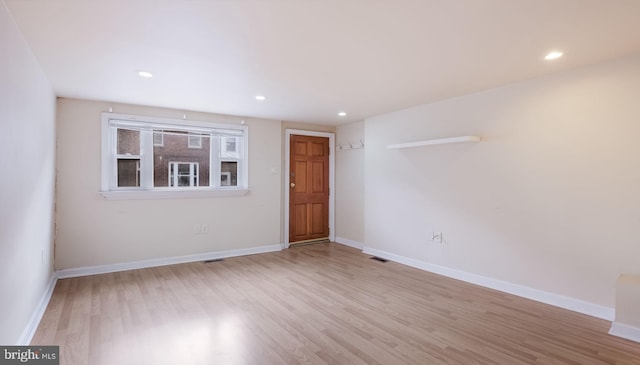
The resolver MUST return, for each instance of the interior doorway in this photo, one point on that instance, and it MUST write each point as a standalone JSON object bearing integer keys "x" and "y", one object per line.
{"x": 309, "y": 181}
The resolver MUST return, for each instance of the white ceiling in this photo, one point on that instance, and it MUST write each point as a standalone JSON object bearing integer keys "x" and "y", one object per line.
{"x": 313, "y": 58}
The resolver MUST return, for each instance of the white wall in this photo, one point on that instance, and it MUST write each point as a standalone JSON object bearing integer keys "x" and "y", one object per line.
{"x": 350, "y": 184}
{"x": 550, "y": 199}
{"x": 93, "y": 231}
{"x": 27, "y": 145}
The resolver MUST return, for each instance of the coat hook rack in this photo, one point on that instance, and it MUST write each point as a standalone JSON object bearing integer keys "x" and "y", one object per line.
{"x": 350, "y": 146}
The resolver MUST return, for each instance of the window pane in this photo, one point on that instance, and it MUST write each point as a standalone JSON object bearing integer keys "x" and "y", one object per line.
{"x": 229, "y": 147}
{"x": 128, "y": 172}
{"x": 229, "y": 173}
{"x": 158, "y": 138}
{"x": 195, "y": 141}
{"x": 230, "y": 144}
{"x": 128, "y": 142}
{"x": 183, "y": 180}
{"x": 175, "y": 149}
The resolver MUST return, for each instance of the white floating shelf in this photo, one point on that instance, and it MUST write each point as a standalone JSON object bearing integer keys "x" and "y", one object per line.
{"x": 431, "y": 142}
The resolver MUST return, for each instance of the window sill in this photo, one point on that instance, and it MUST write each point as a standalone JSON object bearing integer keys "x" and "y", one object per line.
{"x": 172, "y": 194}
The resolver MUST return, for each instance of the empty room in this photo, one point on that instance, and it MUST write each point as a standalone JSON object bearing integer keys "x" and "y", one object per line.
{"x": 320, "y": 182}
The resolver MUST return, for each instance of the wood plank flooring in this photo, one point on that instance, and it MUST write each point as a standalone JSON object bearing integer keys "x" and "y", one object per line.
{"x": 315, "y": 304}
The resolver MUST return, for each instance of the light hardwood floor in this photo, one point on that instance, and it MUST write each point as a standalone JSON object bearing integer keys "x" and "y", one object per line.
{"x": 315, "y": 304}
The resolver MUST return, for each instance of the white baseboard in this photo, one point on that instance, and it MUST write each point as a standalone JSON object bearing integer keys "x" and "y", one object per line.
{"x": 625, "y": 331}
{"x": 350, "y": 243}
{"x": 30, "y": 330}
{"x": 576, "y": 305}
{"x": 103, "y": 269}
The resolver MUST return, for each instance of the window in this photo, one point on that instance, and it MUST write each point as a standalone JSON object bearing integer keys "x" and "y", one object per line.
{"x": 195, "y": 141}
{"x": 158, "y": 138}
{"x": 229, "y": 157}
{"x": 228, "y": 146}
{"x": 128, "y": 157}
{"x": 152, "y": 155}
{"x": 229, "y": 173}
{"x": 183, "y": 174}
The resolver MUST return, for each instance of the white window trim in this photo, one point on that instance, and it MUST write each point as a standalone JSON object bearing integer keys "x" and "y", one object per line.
{"x": 172, "y": 194}
{"x": 109, "y": 171}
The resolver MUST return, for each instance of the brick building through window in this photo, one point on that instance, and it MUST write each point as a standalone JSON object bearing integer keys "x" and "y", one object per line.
{"x": 145, "y": 153}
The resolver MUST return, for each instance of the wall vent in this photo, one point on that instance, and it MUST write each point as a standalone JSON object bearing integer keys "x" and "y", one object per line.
{"x": 212, "y": 260}
{"x": 379, "y": 259}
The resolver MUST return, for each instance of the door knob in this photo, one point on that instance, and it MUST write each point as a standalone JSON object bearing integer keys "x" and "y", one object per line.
{"x": 293, "y": 185}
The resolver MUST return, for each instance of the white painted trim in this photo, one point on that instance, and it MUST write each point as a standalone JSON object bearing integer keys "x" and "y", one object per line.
{"x": 31, "y": 327}
{"x": 103, "y": 269}
{"x": 172, "y": 194}
{"x": 557, "y": 300}
{"x": 350, "y": 243}
{"x": 287, "y": 174}
{"x": 625, "y": 331}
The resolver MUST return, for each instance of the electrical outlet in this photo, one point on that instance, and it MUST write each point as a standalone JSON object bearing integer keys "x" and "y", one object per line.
{"x": 200, "y": 229}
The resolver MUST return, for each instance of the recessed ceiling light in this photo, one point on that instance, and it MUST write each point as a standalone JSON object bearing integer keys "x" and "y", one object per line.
{"x": 553, "y": 55}
{"x": 261, "y": 97}
{"x": 342, "y": 114}
{"x": 145, "y": 74}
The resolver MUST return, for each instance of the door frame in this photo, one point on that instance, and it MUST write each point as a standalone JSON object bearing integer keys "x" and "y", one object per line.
{"x": 287, "y": 175}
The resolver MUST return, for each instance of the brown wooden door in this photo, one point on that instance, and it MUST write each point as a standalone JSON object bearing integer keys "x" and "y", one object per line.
{"x": 309, "y": 188}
